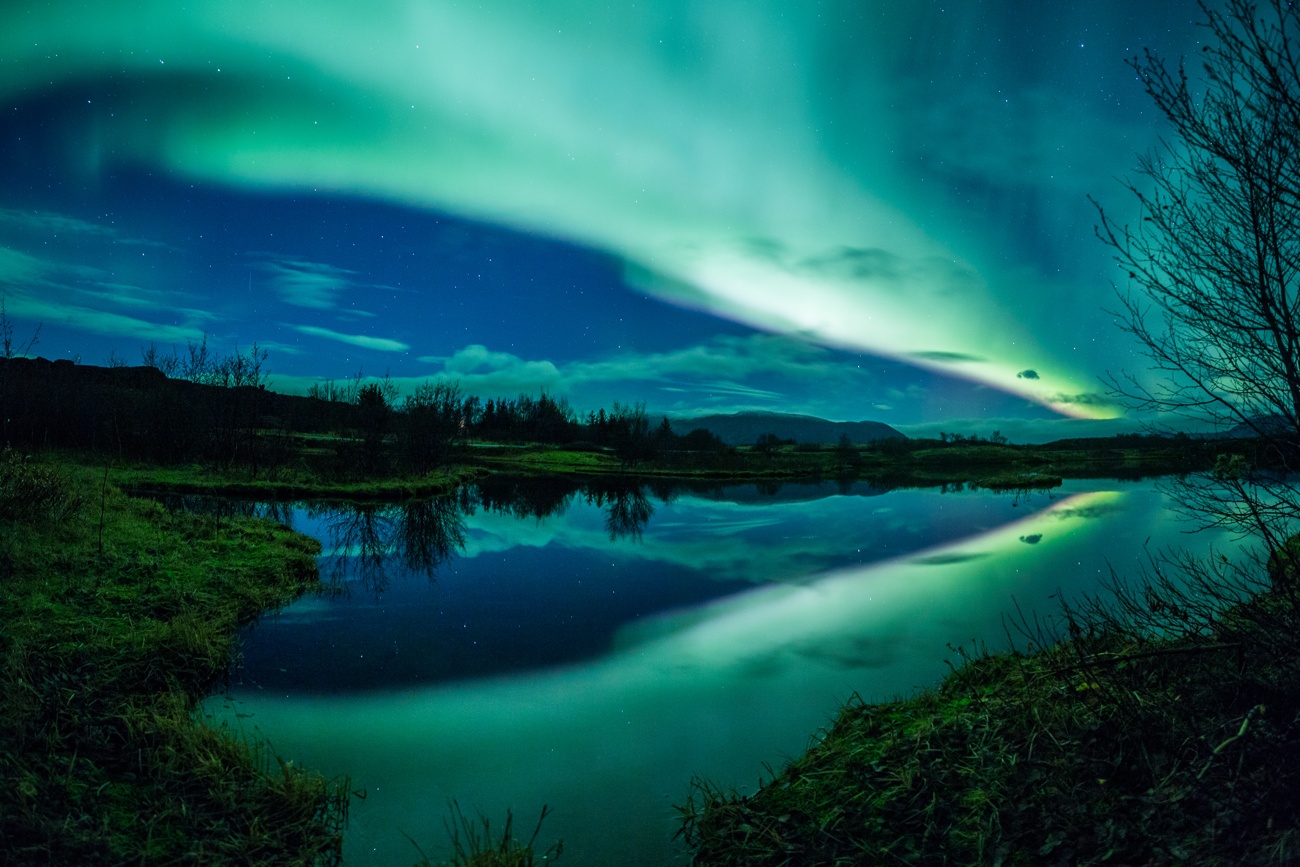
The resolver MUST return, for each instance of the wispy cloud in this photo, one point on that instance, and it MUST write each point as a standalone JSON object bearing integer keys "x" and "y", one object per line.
{"x": 47, "y": 224}
{"x": 127, "y": 295}
{"x": 722, "y": 358}
{"x": 17, "y": 267}
{"x": 54, "y": 292}
{"x": 735, "y": 389}
{"x": 99, "y": 321}
{"x": 308, "y": 284}
{"x": 382, "y": 344}
{"x": 724, "y": 373}
{"x": 317, "y": 285}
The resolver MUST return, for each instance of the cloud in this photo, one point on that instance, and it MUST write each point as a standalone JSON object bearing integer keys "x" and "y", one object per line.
{"x": 380, "y": 344}
{"x": 716, "y": 365}
{"x": 308, "y": 284}
{"x": 43, "y": 291}
{"x": 47, "y": 224}
{"x": 17, "y": 267}
{"x": 891, "y": 272}
{"x": 733, "y": 389}
{"x": 1088, "y": 398}
{"x": 725, "y": 373}
{"x": 482, "y": 371}
{"x": 723, "y": 357}
{"x": 1027, "y": 374}
{"x": 127, "y": 295}
{"x": 940, "y": 357}
{"x": 100, "y": 321}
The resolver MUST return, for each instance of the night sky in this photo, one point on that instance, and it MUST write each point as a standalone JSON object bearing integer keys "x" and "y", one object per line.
{"x": 859, "y": 209}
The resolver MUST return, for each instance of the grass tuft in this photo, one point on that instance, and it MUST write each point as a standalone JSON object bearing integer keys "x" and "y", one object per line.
{"x": 474, "y": 844}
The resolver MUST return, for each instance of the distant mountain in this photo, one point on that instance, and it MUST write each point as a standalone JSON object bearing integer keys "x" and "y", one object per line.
{"x": 1273, "y": 425}
{"x": 744, "y": 428}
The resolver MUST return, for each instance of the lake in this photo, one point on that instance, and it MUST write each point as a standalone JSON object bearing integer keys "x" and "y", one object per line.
{"x": 533, "y": 643}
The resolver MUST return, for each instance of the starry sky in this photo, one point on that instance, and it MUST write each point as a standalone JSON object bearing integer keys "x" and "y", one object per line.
{"x": 859, "y": 209}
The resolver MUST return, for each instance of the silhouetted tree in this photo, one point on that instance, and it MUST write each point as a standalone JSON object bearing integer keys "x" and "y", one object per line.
{"x": 630, "y": 435}
{"x": 701, "y": 440}
{"x": 768, "y": 443}
{"x": 664, "y": 436}
{"x": 432, "y": 424}
{"x": 9, "y": 348}
{"x": 847, "y": 456}
{"x": 1213, "y": 297}
{"x": 374, "y": 418}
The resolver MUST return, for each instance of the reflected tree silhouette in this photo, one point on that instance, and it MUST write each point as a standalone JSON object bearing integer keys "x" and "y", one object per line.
{"x": 364, "y": 538}
{"x": 430, "y": 533}
{"x": 627, "y": 512}
{"x": 525, "y": 496}
{"x": 360, "y": 540}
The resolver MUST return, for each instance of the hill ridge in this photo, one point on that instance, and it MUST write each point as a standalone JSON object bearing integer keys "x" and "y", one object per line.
{"x": 744, "y": 428}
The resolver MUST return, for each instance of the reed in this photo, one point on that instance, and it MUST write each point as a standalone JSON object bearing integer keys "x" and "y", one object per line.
{"x": 475, "y": 844}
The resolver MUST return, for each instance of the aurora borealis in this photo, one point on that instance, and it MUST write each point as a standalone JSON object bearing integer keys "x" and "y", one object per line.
{"x": 852, "y": 209}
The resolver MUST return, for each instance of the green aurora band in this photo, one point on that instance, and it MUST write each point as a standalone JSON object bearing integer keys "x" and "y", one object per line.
{"x": 741, "y": 158}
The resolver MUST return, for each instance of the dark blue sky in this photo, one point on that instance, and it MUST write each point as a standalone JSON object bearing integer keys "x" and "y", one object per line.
{"x": 859, "y": 210}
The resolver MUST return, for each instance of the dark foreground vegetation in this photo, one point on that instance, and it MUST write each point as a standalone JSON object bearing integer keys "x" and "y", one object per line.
{"x": 119, "y": 617}
{"x": 1110, "y": 748}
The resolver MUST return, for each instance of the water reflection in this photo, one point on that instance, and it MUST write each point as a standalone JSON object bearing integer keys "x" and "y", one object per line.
{"x": 627, "y": 512}
{"x": 527, "y": 574}
{"x": 221, "y": 509}
{"x": 555, "y": 661}
{"x": 362, "y": 539}
{"x": 363, "y": 542}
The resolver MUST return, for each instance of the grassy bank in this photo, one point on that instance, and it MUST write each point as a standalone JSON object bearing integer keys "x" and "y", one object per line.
{"x": 894, "y": 463}
{"x": 891, "y": 463}
{"x": 301, "y": 484}
{"x": 119, "y": 617}
{"x": 1096, "y": 751}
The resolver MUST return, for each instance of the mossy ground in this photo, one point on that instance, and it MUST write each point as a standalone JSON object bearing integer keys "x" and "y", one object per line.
{"x": 1001, "y": 467}
{"x": 118, "y": 618}
{"x": 1153, "y": 754}
{"x": 280, "y": 484}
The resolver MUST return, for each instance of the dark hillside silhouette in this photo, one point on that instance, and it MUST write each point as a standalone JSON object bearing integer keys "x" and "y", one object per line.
{"x": 745, "y": 428}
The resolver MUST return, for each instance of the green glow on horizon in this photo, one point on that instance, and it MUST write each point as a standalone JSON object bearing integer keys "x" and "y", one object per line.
{"x": 689, "y": 142}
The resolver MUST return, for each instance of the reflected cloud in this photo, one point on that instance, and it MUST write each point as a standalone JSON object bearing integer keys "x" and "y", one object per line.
{"x": 948, "y": 558}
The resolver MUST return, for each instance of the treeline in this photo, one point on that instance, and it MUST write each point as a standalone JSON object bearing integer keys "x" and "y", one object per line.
{"x": 425, "y": 428}
{"x": 214, "y": 408}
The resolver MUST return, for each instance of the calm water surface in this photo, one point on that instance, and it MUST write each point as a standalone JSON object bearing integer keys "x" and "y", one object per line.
{"x": 594, "y": 649}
